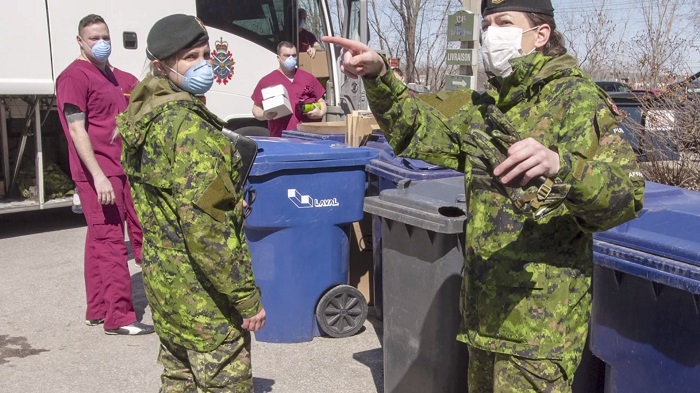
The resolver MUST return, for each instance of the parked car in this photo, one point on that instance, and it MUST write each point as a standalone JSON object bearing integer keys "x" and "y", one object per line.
{"x": 645, "y": 131}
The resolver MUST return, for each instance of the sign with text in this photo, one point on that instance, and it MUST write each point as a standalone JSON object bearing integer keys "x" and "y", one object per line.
{"x": 460, "y": 26}
{"x": 454, "y": 82}
{"x": 461, "y": 57}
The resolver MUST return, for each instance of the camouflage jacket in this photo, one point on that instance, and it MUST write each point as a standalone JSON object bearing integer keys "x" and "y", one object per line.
{"x": 196, "y": 265}
{"x": 527, "y": 280}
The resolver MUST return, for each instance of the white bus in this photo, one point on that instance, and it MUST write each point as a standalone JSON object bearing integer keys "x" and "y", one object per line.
{"x": 38, "y": 42}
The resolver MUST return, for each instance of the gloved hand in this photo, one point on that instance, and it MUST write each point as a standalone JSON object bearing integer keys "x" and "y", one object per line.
{"x": 541, "y": 195}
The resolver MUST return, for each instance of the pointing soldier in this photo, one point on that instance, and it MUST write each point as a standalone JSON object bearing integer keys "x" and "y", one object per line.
{"x": 545, "y": 167}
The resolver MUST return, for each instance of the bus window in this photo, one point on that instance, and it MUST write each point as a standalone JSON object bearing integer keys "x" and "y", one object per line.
{"x": 264, "y": 22}
{"x": 314, "y": 20}
{"x": 356, "y": 27}
{"x": 336, "y": 12}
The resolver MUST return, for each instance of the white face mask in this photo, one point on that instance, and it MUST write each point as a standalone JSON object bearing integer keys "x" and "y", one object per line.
{"x": 499, "y": 45}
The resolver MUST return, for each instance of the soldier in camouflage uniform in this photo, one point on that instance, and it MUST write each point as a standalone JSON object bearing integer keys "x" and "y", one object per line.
{"x": 545, "y": 165}
{"x": 196, "y": 265}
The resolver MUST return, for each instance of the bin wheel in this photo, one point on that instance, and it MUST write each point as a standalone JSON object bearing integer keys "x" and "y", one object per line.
{"x": 342, "y": 311}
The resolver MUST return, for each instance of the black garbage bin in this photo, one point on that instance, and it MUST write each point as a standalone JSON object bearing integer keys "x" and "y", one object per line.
{"x": 385, "y": 173}
{"x": 423, "y": 254}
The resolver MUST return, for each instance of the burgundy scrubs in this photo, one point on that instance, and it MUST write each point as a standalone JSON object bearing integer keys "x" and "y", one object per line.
{"x": 303, "y": 89}
{"x": 107, "y": 279}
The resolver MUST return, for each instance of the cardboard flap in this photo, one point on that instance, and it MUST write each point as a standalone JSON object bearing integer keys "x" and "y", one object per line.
{"x": 317, "y": 66}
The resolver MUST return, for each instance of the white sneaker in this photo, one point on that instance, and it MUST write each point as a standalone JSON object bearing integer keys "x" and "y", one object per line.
{"x": 77, "y": 208}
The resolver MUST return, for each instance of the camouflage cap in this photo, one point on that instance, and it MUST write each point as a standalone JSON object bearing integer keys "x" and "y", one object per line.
{"x": 535, "y": 6}
{"x": 173, "y": 33}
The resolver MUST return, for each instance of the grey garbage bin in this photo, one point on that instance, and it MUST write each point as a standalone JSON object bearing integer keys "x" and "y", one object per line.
{"x": 423, "y": 254}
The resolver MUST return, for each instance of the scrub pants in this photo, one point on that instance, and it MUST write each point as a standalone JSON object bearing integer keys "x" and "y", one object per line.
{"x": 133, "y": 226}
{"x": 107, "y": 277}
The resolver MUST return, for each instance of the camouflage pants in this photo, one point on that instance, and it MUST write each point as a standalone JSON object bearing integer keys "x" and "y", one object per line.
{"x": 500, "y": 373}
{"x": 225, "y": 369}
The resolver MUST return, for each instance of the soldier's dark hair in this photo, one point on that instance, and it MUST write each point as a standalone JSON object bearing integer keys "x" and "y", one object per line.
{"x": 91, "y": 19}
{"x": 555, "y": 46}
{"x": 284, "y": 44}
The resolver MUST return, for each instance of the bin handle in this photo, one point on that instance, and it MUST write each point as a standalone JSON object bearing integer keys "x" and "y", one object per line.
{"x": 250, "y": 195}
{"x": 403, "y": 184}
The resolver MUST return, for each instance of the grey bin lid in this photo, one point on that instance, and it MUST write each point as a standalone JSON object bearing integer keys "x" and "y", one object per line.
{"x": 435, "y": 205}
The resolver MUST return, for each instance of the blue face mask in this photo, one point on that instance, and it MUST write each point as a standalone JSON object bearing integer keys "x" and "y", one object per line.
{"x": 198, "y": 79}
{"x": 101, "y": 51}
{"x": 290, "y": 63}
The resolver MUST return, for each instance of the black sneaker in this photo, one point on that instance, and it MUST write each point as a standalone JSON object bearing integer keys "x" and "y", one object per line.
{"x": 134, "y": 329}
{"x": 94, "y": 322}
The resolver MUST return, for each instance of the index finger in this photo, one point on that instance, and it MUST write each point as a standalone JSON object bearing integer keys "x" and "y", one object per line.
{"x": 347, "y": 44}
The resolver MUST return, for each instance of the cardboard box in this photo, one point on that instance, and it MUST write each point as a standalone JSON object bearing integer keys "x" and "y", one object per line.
{"x": 318, "y": 66}
{"x": 279, "y": 104}
{"x": 276, "y": 90}
{"x": 323, "y": 127}
{"x": 360, "y": 124}
{"x": 361, "y": 259}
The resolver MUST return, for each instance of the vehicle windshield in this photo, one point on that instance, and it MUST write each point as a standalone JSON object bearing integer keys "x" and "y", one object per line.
{"x": 613, "y": 87}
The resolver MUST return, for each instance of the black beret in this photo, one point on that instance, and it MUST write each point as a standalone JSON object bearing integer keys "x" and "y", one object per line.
{"x": 173, "y": 33}
{"x": 536, "y": 6}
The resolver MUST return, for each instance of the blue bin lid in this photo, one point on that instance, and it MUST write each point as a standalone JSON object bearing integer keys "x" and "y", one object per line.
{"x": 275, "y": 154}
{"x": 668, "y": 226}
{"x": 401, "y": 168}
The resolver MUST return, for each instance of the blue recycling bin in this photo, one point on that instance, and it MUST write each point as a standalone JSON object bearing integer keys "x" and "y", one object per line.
{"x": 646, "y": 296}
{"x": 385, "y": 173}
{"x": 307, "y": 194}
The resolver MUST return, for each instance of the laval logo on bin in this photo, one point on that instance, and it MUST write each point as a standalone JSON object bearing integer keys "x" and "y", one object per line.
{"x": 305, "y": 201}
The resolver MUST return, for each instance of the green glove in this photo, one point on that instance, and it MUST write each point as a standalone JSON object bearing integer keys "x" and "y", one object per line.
{"x": 541, "y": 195}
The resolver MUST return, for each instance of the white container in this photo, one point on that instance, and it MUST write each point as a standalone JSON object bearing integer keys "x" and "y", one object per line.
{"x": 279, "y": 104}
{"x": 272, "y": 91}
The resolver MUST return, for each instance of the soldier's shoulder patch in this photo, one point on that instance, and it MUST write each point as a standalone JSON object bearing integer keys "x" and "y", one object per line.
{"x": 613, "y": 106}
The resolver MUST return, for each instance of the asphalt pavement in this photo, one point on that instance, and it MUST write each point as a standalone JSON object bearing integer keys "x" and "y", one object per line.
{"x": 45, "y": 346}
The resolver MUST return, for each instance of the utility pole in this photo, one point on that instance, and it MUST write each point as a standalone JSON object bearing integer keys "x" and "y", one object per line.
{"x": 473, "y": 6}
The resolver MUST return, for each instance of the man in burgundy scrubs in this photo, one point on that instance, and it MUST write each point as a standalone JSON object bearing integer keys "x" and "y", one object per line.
{"x": 302, "y": 87}
{"x": 90, "y": 93}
